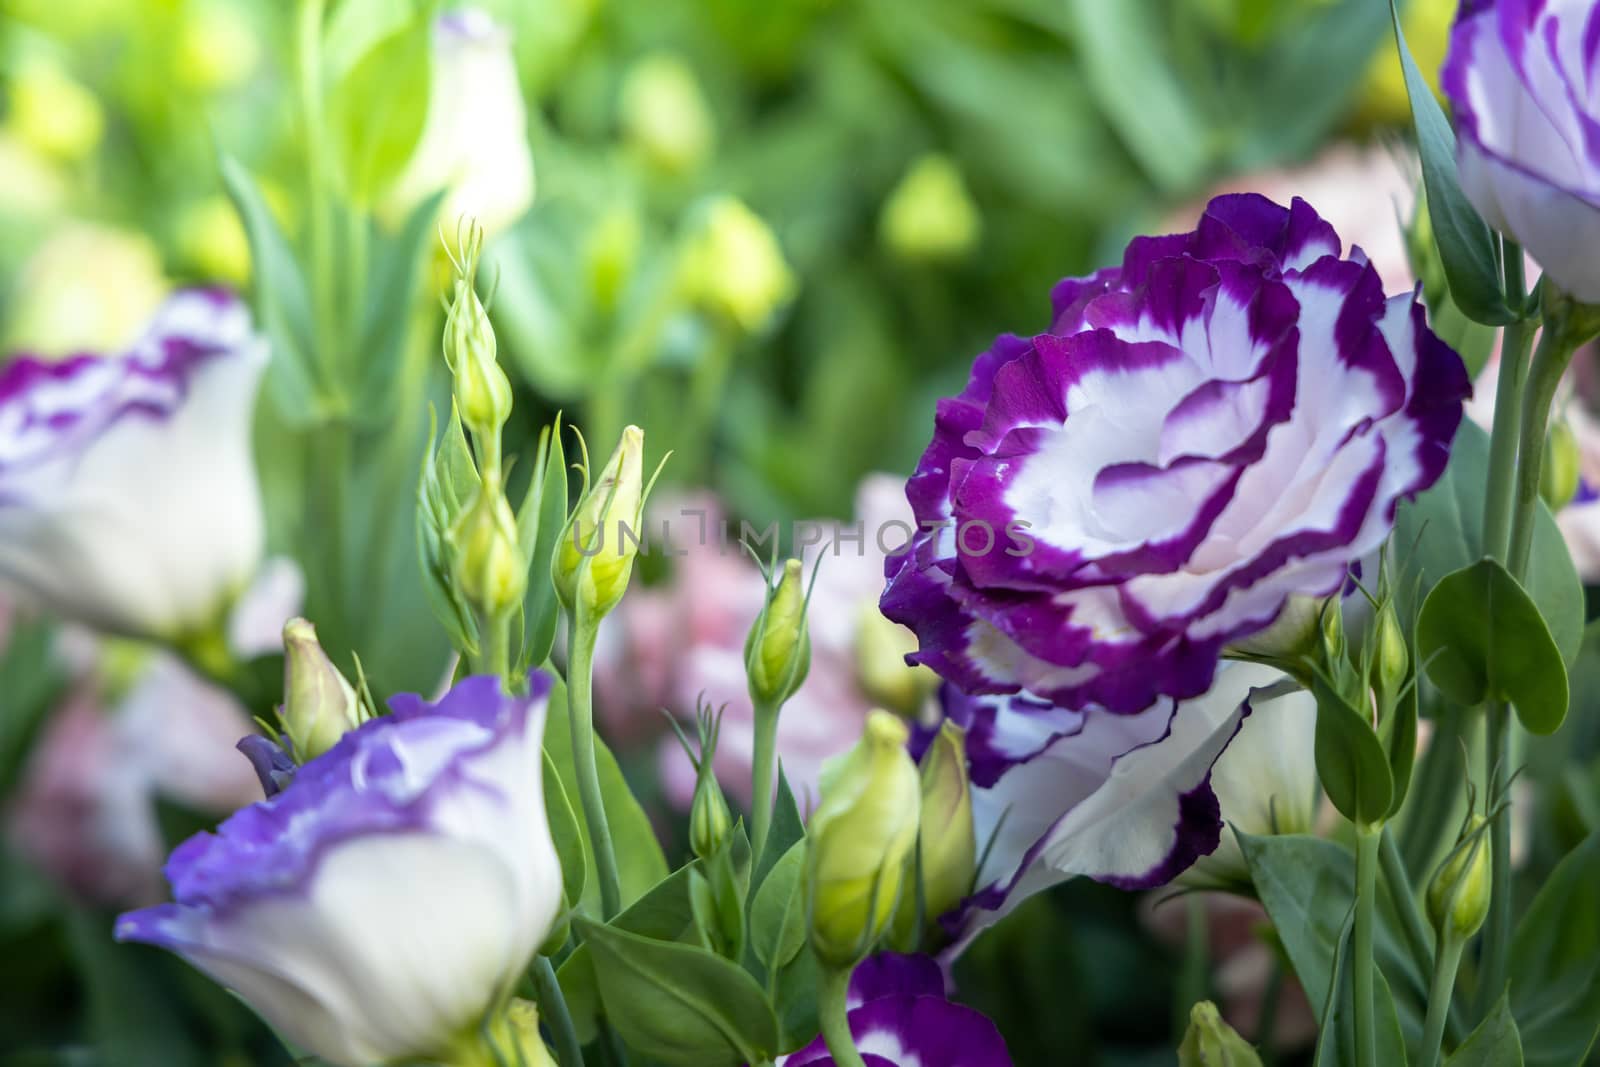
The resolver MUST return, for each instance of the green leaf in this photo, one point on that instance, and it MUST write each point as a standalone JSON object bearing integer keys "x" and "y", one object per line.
{"x": 1336, "y": 1036}
{"x": 539, "y": 524}
{"x": 795, "y": 993}
{"x": 1555, "y": 963}
{"x": 1482, "y": 637}
{"x": 391, "y": 291}
{"x": 640, "y": 861}
{"x": 1351, "y": 763}
{"x": 665, "y": 913}
{"x": 1442, "y": 531}
{"x": 1467, "y": 247}
{"x": 778, "y": 915}
{"x": 678, "y": 1003}
{"x": 1120, "y": 47}
{"x": 1494, "y": 1043}
{"x": 378, "y": 109}
{"x": 785, "y": 829}
{"x": 32, "y": 678}
{"x": 567, "y": 831}
{"x": 282, "y": 301}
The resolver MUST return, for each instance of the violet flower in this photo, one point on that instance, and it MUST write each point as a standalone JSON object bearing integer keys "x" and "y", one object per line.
{"x": 1226, "y": 420}
{"x": 1519, "y": 75}
{"x": 898, "y": 1015}
{"x": 128, "y": 495}
{"x": 378, "y": 906}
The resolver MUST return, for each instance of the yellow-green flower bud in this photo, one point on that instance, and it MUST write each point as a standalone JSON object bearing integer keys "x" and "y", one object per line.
{"x": 319, "y": 705}
{"x": 1391, "y": 659}
{"x": 948, "y": 842}
{"x": 213, "y": 239}
{"x": 858, "y": 841}
{"x": 1558, "y": 475}
{"x": 1210, "y": 1042}
{"x": 664, "y": 114}
{"x": 1293, "y": 634}
{"x": 514, "y": 1036}
{"x": 777, "y": 654}
{"x": 709, "y": 818}
{"x": 611, "y": 254}
{"x": 734, "y": 268}
{"x": 482, "y": 391}
{"x": 1458, "y": 896}
{"x": 929, "y": 215}
{"x": 881, "y": 668}
{"x": 592, "y": 565}
{"x": 1332, "y": 623}
{"x": 490, "y": 569}
{"x": 217, "y": 47}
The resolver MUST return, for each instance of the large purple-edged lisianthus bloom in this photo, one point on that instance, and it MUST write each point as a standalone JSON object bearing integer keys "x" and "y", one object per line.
{"x": 1227, "y": 419}
{"x": 1132, "y": 800}
{"x": 899, "y": 1016}
{"x": 376, "y": 907}
{"x": 1522, "y": 76}
{"x": 128, "y": 493}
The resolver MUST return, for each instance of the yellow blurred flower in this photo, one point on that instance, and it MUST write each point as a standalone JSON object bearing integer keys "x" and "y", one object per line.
{"x": 212, "y": 238}
{"x": 664, "y": 114}
{"x": 930, "y": 215}
{"x": 88, "y": 288}
{"x": 1383, "y": 100}
{"x": 52, "y": 113}
{"x": 216, "y": 48}
{"x": 734, "y": 267}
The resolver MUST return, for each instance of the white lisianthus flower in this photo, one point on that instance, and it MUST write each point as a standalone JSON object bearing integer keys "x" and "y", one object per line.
{"x": 475, "y": 138}
{"x": 128, "y": 491}
{"x": 388, "y": 899}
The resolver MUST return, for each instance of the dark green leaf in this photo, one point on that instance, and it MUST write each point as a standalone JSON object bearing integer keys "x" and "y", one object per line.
{"x": 785, "y": 830}
{"x": 31, "y": 678}
{"x": 1336, "y": 1037}
{"x": 567, "y": 831}
{"x": 543, "y": 513}
{"x": 678, "y": 1003}
{"x": 1442, "y": 531}
{"x": 1482, "y": 637}
{"x": 1493, "y": 1044}
{"x": 778, "y": 918}
{"x": 1351, "y": 762}
{"x": 1467, "y": 246}
{"x": 1555, "y": 963}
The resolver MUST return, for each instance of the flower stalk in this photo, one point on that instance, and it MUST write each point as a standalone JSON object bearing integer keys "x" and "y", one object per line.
{"x": 832, "y": 995}
{"x": 1368, "y": 839}
{"x": 580, "y": 708}
{"x": 553, "y": 1009}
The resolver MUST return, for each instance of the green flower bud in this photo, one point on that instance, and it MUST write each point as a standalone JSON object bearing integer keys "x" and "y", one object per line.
{"x": 664, "y": 114}
{"x": 949, "y": 844}
{"x": 512, "y": 1038}
{"x": 592, "y": 565}
{"x": 1391, "y": 660}
{"x": 1332, "y": 623}
{"x": 733, "y": 267}
{"x": 610, "y": 255}
{"x": 709, "y": 818}
{"x": 482, "y": 391}
{"x": 777, "y": 654}
{"x": 1210, "y": 1042}
{"x": 490, "y": 569}
{"x": 319, "y": 705}
{"x": 1458, "y": 896}
{"x": 1558, "y": 476}
{"x": 858, "y": 841}
{"x": 930, "y": 216}
{"x": 1293, "y": 634}
{"x": 881, "y": 668}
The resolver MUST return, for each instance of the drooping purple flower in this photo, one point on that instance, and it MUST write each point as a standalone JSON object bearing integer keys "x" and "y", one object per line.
{"x": 396, "y": 887}
{"x": 128, "y": 495}
{"x": 1131, "y": 800}
{"x": 1520, "y": 75}
{"x": 899, "y": 1015}
{"x": 1227, "y": 419}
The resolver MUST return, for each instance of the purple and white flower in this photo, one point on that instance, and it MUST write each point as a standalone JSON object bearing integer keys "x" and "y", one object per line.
{"x": 1227, "y": 419}
{"x": 1131, "y": 800}
{"x": 1520, "y": 75}
{"x": 898, "y": 1016}
{"x": 128, "y": 494}
{"x": 380, "y": 904}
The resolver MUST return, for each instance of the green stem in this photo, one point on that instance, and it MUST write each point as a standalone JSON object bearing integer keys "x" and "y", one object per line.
{"x": 1550, "y": 361}
{"x": 1363, "y": 965}
{"x": 580, "y": 707}
{"x": 553, "y": 1010}
{"x": 1507, "y": 414}
{"x": 1497, "y": 930}
{"x": 832, "y": 993}
{"x": 765, "y": 749}
{"x": 494, "y": 648}
{"x": 1419, "y": 939}
{"x": 1196, "y": 961}
{"x": 308, "y": 48}
{"x": 1440, "y": 995}
{"x": 1267, "y": 1027}
{"x": 1435, "y": 794}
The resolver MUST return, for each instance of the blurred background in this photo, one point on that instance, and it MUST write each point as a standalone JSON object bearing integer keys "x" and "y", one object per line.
{"x": 771, "y": 234}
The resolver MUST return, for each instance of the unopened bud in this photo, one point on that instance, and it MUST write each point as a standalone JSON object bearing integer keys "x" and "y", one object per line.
{"x": 1332, "y": 623}
{"x": 1392, "y": 661}
{"x": 930, "y": 216}
{"x": 490, "y": 569}
{"x": 948, "y": 844}
{"x": 1458, "y": 896}
{"x": 482, "y": 390}
{"x": 1210, "y": 1042}
{"x": 1294, "y": 633}
{"x": 515, "y": 1039}
{"x": 594, "y": 561}
{"x": 777, "y": 654}
{"x": 319, "y": 705}
{"x": 1559, "y": 474}
{"x": 858, "y": 841}
{"x": 709, "y": 818}
{"x": 664, "y": 114}
{"x": 733, "y": 266}
{"x": 881, "y": 668}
